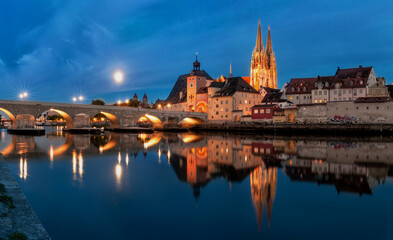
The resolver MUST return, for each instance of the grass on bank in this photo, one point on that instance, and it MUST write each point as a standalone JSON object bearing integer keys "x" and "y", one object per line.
{"x": 17, "y": 236}
{"x": 7, "y": 200}
{"x": 2, "y": 188}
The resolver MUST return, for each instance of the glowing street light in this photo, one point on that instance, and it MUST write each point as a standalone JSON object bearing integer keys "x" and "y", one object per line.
{"x": 74, "y": 99}
{"x": 127, "y": 101}
{"x": 23, "y": 95}
{"x": 118, "y": 76}
{"x": 118, "y": 102}
{"x": 81, "y": 98}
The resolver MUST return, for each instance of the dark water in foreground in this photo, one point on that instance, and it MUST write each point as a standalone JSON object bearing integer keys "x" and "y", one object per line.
{"x": 188, "y": 186}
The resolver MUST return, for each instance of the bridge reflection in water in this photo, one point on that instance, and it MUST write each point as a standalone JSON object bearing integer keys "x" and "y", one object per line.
{"x": 350, "y": 166}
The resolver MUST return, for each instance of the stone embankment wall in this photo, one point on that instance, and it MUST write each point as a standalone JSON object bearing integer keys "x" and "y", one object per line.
{"x": 21, "y": 218}
{"x": 364, "y": 113}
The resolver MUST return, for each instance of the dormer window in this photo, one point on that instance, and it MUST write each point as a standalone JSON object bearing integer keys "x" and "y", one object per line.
{"x": 304, "y": 89}
{"x": 351, "y": 82}
{"x": 326, "y": 84}
{"x": 293, "y": 89}
{"x": 361, "y": 82}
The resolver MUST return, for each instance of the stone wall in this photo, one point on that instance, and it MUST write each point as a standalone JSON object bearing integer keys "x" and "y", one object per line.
{"x": 315, "y": 113}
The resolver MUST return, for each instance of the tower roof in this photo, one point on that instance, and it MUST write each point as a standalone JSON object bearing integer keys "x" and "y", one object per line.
{"x": 144, "y": 96}
{"x": 269, "y": 46}
{"x": 259, "y": 43}
{"x": 135, "y": 96}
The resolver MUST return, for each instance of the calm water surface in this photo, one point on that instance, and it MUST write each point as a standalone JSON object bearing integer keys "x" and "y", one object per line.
{"x": 192, "y": 186}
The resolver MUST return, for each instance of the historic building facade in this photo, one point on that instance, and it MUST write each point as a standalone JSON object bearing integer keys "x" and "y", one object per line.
{"x": 263, "y": 63}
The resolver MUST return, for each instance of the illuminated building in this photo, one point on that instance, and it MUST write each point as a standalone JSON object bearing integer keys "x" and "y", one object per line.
{"x": 263, "y": 63}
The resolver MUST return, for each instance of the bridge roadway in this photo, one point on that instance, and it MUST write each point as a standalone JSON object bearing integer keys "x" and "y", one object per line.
{"x": 118, "y": 116}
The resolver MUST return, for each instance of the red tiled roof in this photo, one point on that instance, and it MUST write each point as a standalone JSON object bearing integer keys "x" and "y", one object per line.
{"x": 352, "y": 77}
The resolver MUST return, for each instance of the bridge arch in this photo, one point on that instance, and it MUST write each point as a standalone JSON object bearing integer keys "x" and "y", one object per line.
{"x": 67, "y": 118}
{"x": 157, "y": 123}
{"x": 190, "y": 122}
{"x": 115, "y": 123}
{"x": 9, "y": 114}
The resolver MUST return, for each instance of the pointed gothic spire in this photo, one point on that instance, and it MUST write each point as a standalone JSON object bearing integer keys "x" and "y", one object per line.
{"x": 230, "y": 69}
{"x": 269, "y": 47}
{"x": 259, "y": 44}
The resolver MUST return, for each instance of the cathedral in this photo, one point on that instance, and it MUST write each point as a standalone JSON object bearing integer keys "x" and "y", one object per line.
{"x": 263, "y": 63}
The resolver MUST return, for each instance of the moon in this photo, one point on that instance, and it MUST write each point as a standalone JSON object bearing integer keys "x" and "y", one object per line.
{"x": 118, "y": 76}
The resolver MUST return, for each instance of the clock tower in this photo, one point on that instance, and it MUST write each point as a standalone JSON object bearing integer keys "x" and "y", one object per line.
{"x": 195, "y": 81}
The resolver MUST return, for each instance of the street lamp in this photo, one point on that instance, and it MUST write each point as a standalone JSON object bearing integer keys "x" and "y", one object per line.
{"x": 74, "y": 99}
{"x": 118, "y": 102}
{"x": 81, "y": 98}
{"x": 127, "y": 101}
{"x": 23, "y": 95}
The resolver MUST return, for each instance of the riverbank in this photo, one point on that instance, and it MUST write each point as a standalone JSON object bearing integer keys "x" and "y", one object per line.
{"x": 289, "y": 129}
{"x": 17, "y": 217}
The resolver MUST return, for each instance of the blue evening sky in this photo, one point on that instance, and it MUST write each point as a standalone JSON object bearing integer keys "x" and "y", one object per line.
{"x": 57, "y": 49}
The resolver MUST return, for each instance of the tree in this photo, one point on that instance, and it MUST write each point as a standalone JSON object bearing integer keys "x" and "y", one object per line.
{"x": 98, "y": 102}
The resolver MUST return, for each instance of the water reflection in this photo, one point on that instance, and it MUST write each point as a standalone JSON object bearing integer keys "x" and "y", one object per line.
{"x": 350, "y": 166}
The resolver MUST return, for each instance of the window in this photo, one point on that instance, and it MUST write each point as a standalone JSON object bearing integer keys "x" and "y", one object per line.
{"x": 320, "y": 100}
{"x": 267, "y": 110}
{"x": 315, "y": 101}
{"x": 245, "y": 101}
{"x": 255, "y": 111}
{"x": 240, "y": 101}
{"x": 325, "y": 92}
{"x": 290, "y": 97}
{"x": 335, "y": 92}
{"x": 226, "y": 101}
{"x": 344, "y": 91}
{"x": 320, "y": 92}
{"x": 360, "y": 91}
{"x": 221, "y": 102}
{"x": 304, "y": 97}
{"x": 262, "y": 111}
{"x": 242, "y": 94}
{"x": 226, "y": 109}
{"x": 245, "y": 95}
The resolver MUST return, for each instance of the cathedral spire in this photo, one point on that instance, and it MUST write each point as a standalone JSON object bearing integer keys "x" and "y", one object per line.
{"x": 259, "y": 44}
{"x": 269, "y": 47}
{"x": 230, "y": 69}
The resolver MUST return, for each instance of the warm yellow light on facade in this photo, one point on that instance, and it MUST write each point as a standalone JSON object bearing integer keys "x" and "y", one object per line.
{"x": 169, "y": 105}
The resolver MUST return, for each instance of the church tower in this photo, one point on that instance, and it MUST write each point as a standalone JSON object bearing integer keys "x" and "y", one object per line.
{"x": 263, "y": 63}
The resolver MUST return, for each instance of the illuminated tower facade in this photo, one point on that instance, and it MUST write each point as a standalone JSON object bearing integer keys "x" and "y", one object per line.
{"x": 263, "y": 63}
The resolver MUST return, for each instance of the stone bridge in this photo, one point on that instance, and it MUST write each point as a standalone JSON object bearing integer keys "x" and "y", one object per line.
{"x": 118, "y": 116}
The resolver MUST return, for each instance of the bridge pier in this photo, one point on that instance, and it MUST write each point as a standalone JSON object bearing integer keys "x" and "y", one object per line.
{"x": 25, "y": 125}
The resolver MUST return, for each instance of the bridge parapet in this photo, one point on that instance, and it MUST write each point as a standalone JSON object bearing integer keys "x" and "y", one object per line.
{"x": 119, "y": 116}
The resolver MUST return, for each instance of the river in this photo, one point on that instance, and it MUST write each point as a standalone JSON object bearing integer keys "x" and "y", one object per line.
{"x": 205, "y": 186}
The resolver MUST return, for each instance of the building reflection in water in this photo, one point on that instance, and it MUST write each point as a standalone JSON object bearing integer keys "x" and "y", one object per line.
{"x": 351, "y": 167}
{"x": 263, "y": 183}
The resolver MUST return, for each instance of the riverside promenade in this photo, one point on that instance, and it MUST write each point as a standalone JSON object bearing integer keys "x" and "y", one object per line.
{"x": 17, "y": 218}
{"x": 299, "y": 128}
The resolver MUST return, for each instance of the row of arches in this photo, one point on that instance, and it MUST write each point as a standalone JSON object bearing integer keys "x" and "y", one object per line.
{"x": 147, "y": 120}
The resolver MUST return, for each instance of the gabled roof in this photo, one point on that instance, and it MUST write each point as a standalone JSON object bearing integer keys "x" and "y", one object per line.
{"x": 181, "y": 86}
{"x": 352, "y": 77}
{"x": 273, "y": 96}
{"x": 300, "y": 85}
{"x": 216, "y": 84}
{"x": 233, "y": 85}
{"x": 202, "y": 90}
